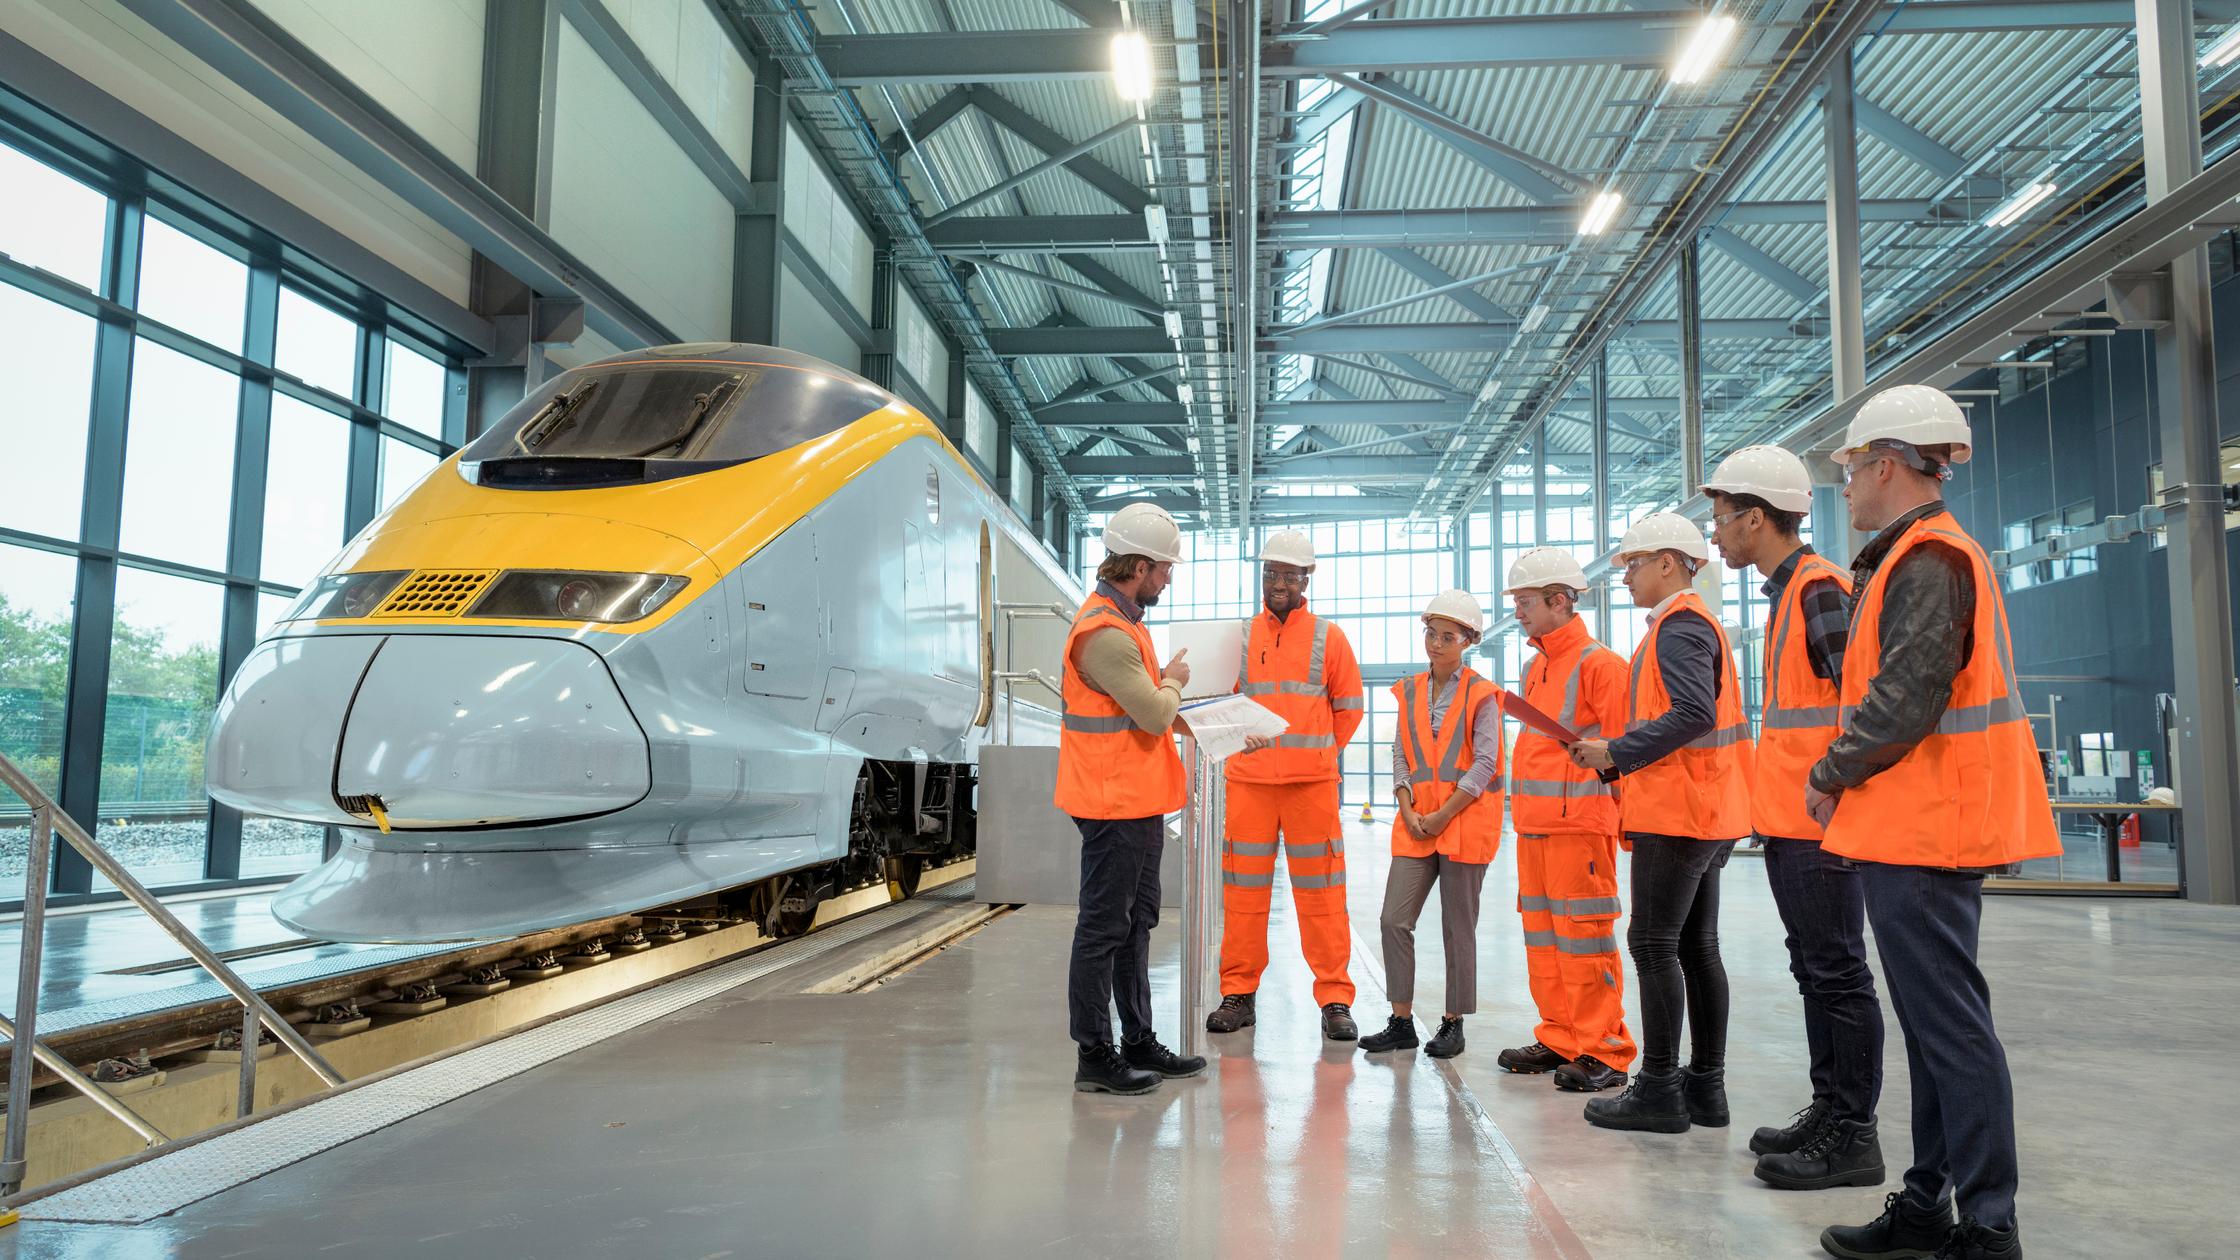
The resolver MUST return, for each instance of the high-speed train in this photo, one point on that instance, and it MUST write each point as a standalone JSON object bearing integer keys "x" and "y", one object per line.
{"x": 696, "y": 619}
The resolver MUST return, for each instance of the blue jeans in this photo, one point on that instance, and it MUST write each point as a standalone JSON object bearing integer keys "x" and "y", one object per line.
{"x": 1925, "y": 929}
{"x": 1825, "y": 915}
{"x": 1112, "y": 936}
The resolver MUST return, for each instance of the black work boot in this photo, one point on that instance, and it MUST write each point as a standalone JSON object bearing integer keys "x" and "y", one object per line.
{"x": 1971, "y": 1241}
{"x": 1589, "y": 1075}
{"x": 1843, "y": 1153}
{"x": 1337, "y": 1022}
{"x": 1652, "y": 1104}
{"x": 1530, "y": 1060}
{"x": 1103, "y": 1071}
{"x": 1149, "y": 1055}
{"x": 1706, "y": 1092}
{"x": 1802, "y": 1128}
{"x": 1234, "y": 1012}
{"x": 1399, "y": 1034}
{"x": 1904, "y": 1231}
{"x": 1447, "y": 1042}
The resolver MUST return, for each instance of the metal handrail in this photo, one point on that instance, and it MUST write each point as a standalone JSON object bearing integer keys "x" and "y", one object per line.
{"x": 1202, "y": 814}
{"x": 49, "y": 819}
{"x": 1012, "y": 611}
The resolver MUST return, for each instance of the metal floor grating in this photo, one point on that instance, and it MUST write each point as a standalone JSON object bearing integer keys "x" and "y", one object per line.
{"x": 166, "y": 1183}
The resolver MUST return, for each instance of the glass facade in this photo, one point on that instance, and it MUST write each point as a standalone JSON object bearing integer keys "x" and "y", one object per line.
{"x": 199, "y": 419}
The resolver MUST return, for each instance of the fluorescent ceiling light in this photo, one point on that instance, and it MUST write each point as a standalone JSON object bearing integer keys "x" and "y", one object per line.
{"x": 2012, "y": 210}
{"x": 1534, "y": 318}
{"x": 1155, "y": 224}
{"x": 1174, "y": 325}
{"x": 1703, "y": 49}
{"x": 1183, "y": 393}
{"x": 1131, "y": 66}
{"x": 1491, "y": 388}
{"x": 1599, "y": 213}
{"x": 2225, "y": 51}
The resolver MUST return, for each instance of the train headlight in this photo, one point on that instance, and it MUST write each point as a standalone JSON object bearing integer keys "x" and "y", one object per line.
{"x": 346, "y": 595}
{"x": 571, "y": 595}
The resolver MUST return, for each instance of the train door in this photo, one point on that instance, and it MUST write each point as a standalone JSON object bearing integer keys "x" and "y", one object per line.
{"x": 781, "y": 643}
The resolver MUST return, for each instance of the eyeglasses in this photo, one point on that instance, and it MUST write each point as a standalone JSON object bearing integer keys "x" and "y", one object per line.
{"x": 1636, "y": 562}
{"x": 1719, "y": 522}
{"x": 1271, "y": 577}
{"x": 1527, "y": 601}
{"x": 1444, "y": 638}
{"x": 1860, "y": 461}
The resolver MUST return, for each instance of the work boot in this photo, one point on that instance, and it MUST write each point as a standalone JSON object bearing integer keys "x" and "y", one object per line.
{"x": 1399, "y": 1034}
{"x": 1904, "y": 1231}
{"x": 1530, "y": 1060}
{"x": 1706, "y": 1092}
{"x": 1234, "y": 1012}
{"x": 1843, "y": 1153}
{"x": 1588, "y": 1075}
{"x": 1801, "y": 1129}
{"x": 1447, "y": 1042}
{"x": 1149, "y": 1055}
{"x": 1971, "y": 1241}
{"x": 1337, "y": 1022}
{"x": 1103, "y": 1071}
{"x": 1652, "y": 1104}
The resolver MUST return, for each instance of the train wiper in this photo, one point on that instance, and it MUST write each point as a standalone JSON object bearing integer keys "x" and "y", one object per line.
{"x": 554, "y": 418}
{"x": 703, "y": 406}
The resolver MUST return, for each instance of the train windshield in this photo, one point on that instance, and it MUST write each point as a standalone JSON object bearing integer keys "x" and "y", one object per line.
{"x": 651, "y": 421}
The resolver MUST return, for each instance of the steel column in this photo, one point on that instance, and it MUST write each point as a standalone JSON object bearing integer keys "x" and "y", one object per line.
{"x": 1691, "y": 371}
{"x": 1598, "y": 401}
{"x": 1840, "y": 142}
{"x": 759, "y": 243}
{"x": 2193, "y": 494}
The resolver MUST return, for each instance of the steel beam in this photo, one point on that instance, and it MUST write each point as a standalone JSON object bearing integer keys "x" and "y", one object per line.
{"x": 1537, "y": 179}
{"x": 966, "y": 56}
{"x": 1839, "y": 138}
{"x": 1435, "y": 338}
{"x": 1062, "y": 157}
{"x": 1134, "y": 303}
{"x": 1113, "y": 415}
{"x": 1443, "y": 284}
{"x": 929, "y": 120}
{"x": 1691, "y": 370}
{"x": 1765, "y": 265}
{"x": 2208, "y": 753}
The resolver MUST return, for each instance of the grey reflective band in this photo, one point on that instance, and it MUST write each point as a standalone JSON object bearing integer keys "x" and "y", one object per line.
{"x": 1408, "y": 726}
{"x": 1352, "y": 704}
{"x": 1971, "y": 719}
{"x": 1250, "y": 848}
{"x": 1281, "y": 689}
{"x": 1314, "y": 658}
{"x": 1099, "y": 725}
{"x": 1721, "y": 738}
{"x": 1236, "y": 880}
{"x": 1531, "y": 903}
{"x": 1576, "y": 907}
{"x": 1586, "y": 944}
{"x": 1102, "y": 610}
{"x": 1335, "y": 879}
{"x": 1810, "y": 718}
{"x": 1633, "y": 678}
{"x": 1320, "y": 849}
{"x": 1460, "y": 713}
{"x": 1539, "y": 940}
{"x": 1558, "y": 787}
{"x": 1306, "y": 741}
{"x": 1813, "y": 717}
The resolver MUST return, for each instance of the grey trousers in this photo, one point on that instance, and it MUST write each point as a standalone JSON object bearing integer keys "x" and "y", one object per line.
{"x": 1405, "y": 891}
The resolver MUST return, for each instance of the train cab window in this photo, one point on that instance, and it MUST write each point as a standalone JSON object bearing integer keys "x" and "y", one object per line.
{"x": 639, "y": 422}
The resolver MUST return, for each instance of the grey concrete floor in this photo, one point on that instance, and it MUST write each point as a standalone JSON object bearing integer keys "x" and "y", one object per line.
{"x": 933, "y": 1114}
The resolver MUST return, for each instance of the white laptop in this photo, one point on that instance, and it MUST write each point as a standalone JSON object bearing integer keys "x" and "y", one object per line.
{"x": 1216, "y": 649}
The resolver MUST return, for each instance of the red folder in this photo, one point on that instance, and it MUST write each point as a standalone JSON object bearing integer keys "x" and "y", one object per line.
{"x": 1514, "y": 705}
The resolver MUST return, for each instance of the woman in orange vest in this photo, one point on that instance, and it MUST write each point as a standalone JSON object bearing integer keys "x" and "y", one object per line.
{"x": 1685, "y": 801}
{"x": 1933, "y": 783}
{"x": 1118, "y": 777}
{"x": 1759, "y": 496}
{"x": 1446, "y": 774}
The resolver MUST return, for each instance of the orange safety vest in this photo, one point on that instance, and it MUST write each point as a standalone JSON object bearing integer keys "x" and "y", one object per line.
{"x": 1800, "y": 719}
{"x": 1437, "y": 760}
{"x": 1549, "y": 794}
{"x": 1286, "y": 668}
{"x": 1702, "y": 789}
{"x": 1972, "y": 793}
{"x": 1108, "y": 767}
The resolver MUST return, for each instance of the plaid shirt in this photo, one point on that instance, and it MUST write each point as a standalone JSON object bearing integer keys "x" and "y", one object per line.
{"x": 1827, "y": 617}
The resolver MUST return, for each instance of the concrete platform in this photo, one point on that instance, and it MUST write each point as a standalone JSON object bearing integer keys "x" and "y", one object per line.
{"x": 933, "y": 1114}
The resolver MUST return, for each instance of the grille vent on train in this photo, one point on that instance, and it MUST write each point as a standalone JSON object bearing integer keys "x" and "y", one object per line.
{"x": 436, "y": 593}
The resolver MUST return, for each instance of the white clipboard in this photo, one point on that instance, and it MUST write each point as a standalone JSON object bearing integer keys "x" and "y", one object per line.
{"x": 1216, "y": 651}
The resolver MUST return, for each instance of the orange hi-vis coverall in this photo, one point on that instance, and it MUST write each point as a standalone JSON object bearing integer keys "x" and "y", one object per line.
{"x": 1302, "y": 669}
{"x": 1566, "y": 819}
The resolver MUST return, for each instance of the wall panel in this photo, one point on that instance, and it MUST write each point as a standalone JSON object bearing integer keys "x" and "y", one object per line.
{"x": 426, "y": 71}
{"x": 686, "y": 42}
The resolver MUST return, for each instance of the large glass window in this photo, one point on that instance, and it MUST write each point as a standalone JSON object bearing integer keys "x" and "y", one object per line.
{"x": 46, "y": 389}
{"x": 163, "y": 686}
{"x": 306, "y": 481}
{"x": 316, "y": 346}
{"x": 51, "y": 221}
{"x": 195, "y": 288}
{"x": 37, "y": 590}
{"x": 402, "y": 467}
{"x": 417, "y": 385}
{"x": 178, "y": 468}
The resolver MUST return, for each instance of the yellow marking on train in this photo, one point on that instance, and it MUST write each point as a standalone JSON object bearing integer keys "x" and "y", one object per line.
{"x": 380, "y": 815}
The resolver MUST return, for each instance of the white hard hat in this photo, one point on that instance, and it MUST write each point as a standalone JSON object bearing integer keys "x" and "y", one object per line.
{"x": 1546, "y": 566}
{"x": 1767, "y": 472}
{"x": 1143, "y": 529}
{"x": 2162, "y": 796}
{"x": 1290, "y": 546}
{"x": 1460, "y": 607}
{"x": 1665, "y": 531}
{"x": 1917, "y": 415}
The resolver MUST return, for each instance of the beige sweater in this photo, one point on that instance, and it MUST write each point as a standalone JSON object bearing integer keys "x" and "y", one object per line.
{"x": 1112, "y": 665}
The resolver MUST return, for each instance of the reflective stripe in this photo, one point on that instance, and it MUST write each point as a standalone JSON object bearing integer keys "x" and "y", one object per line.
{"x": 1970, "y": 719}
{"x": 1236, "y": 880}
{"x": 1539, "y": 940}
{"x": 1320, "y": 849}
{"x": 1335, "y": 879}
{"x": 1812, "y": 717}
{"x": 1250, "y": 848}
{"x": 1558, "y": 787}
{"x": 1525, "y": 903}
{"x": 1721, "y": 738}
{"x": 1575, "y": 907}
{"x": 1458, "y": 751}
{"x": 1345, "y": 704}
{"x": 1281, "y": 688}
{"x": 1306, "y": 741}
{"x": 1101, "y": 610}
{"x": 1314, "y": 658}
{"x": 1408, "y": 728}
{"x": 1099, "y": 725}
{"x": 1586, "y": 944}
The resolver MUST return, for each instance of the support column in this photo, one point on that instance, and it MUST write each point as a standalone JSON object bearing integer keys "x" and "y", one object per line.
{"x": 1847, "y": 332}
{"x": 1691, "y": 373}
{"x": 521, "y": 44}
{"x": 756, "y": 255}
{"x": 952, "y": 419}
{"x": 879, "y": 358}
{"x": 1539, "y": 490}
{"x": 1598, "y": 402}
{"x": 2208, "y": 754}
{"x": 245, "y": 543}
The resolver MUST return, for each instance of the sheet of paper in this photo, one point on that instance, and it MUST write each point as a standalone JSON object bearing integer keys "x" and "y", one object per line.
{"x": 1221, "y": 725}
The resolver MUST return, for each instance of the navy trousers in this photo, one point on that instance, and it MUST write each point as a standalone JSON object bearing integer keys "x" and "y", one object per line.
{"x": 1925, "y": 929}
{"x": 1824, "y": 913}
{"x": 1112, "y": 936}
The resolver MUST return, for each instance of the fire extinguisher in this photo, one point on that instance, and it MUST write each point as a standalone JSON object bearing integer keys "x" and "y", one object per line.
{"x": 2128, "y": 836}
